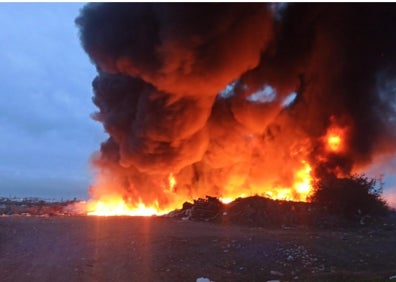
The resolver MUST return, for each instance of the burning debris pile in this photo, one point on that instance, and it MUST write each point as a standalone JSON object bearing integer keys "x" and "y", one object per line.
{"x": 253, "y": 211}
{"x": 264, "y": 212}
{"x": 235, "y": 100}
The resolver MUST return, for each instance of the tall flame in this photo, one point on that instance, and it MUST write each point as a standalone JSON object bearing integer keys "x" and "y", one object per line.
{"x": 303, "y": 181}
{"x": 172, "y": 182}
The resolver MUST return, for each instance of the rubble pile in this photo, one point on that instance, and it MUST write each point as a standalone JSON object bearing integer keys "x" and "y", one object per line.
{"x": 260, "y": 211}
{"x": 254, "y": 211}
{"x": 208, "y": 209}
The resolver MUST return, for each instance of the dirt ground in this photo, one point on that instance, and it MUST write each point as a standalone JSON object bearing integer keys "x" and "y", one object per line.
{"x": 166, "y": 249}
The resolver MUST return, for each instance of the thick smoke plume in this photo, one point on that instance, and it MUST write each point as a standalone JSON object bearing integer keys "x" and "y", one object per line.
{"x": 231, "y": 98}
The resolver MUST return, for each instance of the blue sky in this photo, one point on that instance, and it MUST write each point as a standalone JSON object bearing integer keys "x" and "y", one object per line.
{"x": 46, "y": 133}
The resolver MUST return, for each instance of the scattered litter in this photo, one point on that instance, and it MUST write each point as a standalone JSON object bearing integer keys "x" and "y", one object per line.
{"x": 28, "y": 207}
{"x": 203, "y": 279}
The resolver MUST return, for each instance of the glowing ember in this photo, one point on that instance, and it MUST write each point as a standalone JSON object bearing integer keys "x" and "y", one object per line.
{"x": 280, "y": 194}
{"x": 227, "y": 200}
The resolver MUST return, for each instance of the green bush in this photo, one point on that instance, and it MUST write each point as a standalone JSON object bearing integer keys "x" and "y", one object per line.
{"x": 353, "y": 196}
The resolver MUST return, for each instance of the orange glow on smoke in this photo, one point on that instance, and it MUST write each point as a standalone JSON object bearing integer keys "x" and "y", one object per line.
{"x": 334, "y": 139}
{"x": 334, "y": 142}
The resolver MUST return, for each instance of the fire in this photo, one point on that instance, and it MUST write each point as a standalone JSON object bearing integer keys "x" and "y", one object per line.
{"x": 303, "y": 181}
{"x": 118, "y": 207}
{"x": 300, "y": 189}
{"x": 172, "y": 182}
{"x": 334, "y": 138}
{"x": 227, "y": 200}
{"x": 334, "y": 142}
{"x": 235, "y": 126}
{"x": 280, "y": 194}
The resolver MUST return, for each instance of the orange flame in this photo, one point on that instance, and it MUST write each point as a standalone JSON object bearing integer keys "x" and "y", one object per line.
{"x": 172, "y": 182}
{"x": 116, "y": 205}
{"x": 227, "y": 200}
{"x": 300, "y": 190}
{"x": 303, "y": 181}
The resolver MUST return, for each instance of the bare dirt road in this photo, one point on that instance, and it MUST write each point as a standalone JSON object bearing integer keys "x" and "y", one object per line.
{"x": 165, "y": 249}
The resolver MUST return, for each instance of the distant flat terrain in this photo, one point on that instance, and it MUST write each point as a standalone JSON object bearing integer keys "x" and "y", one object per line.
{"x": 84, "y": 248}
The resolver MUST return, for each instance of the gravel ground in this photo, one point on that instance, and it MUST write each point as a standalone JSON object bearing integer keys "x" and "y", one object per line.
{"x": 62, "y": 248}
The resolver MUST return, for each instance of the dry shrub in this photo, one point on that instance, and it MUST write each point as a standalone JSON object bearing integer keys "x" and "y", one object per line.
{"x": 354, "y": 196}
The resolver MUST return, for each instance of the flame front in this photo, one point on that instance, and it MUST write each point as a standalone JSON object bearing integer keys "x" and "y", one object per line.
{"x": 118, "y": 207}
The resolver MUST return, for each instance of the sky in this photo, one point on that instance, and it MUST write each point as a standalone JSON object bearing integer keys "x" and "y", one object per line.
{"x": 46, "y": 133}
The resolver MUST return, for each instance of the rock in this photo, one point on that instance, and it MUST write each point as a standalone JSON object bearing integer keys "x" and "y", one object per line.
{"x": 276, "y": 273}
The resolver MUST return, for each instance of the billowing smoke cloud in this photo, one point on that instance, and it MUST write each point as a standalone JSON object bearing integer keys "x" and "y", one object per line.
{"x": 231, "y": 98}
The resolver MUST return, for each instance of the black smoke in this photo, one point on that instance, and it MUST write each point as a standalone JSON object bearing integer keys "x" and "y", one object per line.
{"x": 198, "y": 90}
